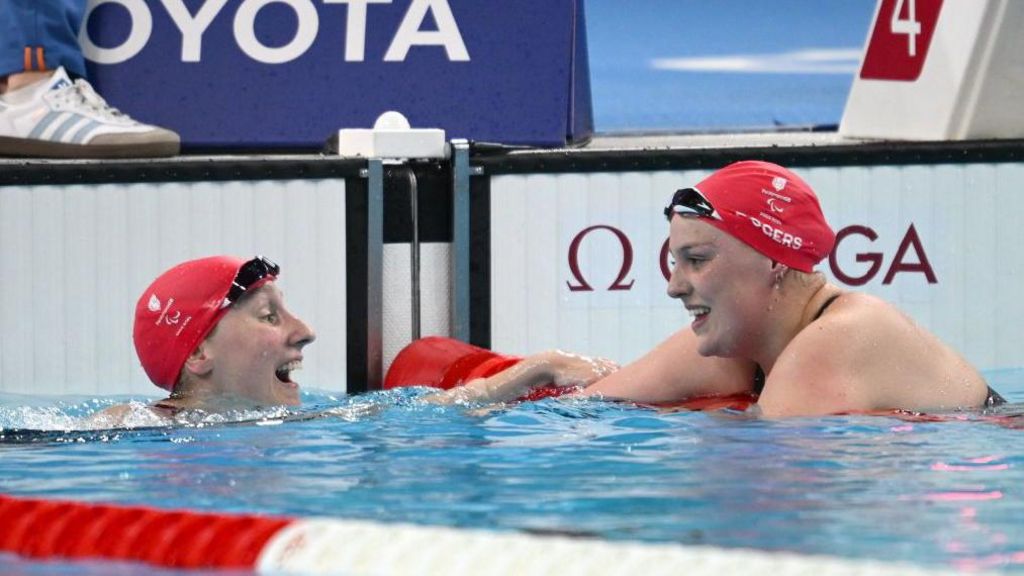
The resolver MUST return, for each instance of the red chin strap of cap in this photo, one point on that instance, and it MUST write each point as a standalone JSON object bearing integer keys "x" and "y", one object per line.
{"x": 445, "y": 363}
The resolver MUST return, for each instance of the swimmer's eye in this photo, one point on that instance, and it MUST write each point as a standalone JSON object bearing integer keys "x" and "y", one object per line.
{"x": 695, "y": 261}
{"x": 270, "y": 317}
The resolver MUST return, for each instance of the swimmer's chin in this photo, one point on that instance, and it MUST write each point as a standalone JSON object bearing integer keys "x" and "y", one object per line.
{"x": 292, "y": 400}
{"x": 287, "y": 394}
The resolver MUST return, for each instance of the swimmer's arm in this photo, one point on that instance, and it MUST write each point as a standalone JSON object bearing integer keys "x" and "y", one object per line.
{"x": 674, "y": 371}
{"x": 552, "y": 367}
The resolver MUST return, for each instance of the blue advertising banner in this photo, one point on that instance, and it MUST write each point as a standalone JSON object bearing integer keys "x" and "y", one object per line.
{"x": 290, "y": 73}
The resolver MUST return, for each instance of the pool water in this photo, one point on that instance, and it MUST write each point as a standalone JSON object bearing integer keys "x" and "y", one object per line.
{"x": 944, "y": 494}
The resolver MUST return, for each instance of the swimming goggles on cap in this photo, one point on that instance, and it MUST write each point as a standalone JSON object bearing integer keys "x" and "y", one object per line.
{"x": 249, "y": 274}
{"x": 690, "y": 202}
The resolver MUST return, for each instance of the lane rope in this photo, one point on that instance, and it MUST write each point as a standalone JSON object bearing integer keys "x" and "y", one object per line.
{"x": 64, "y": 530}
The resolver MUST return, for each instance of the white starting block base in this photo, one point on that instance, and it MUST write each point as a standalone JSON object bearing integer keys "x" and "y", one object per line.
{"x": 966, "y": 83}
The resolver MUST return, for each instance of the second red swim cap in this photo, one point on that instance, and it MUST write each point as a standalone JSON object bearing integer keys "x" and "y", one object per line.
{"x": 770, "y": 209}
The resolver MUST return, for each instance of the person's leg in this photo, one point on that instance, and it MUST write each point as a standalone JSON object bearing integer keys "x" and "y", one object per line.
{"x": 16, "y": 25}
{"x": 57, "y": 34}
{"x": 37, "y": 37}
{"x": 44, "y": 109}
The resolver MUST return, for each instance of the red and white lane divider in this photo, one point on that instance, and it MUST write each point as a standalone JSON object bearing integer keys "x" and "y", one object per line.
{"x": 56, "y": 530}
{"x": 71, "y": 530}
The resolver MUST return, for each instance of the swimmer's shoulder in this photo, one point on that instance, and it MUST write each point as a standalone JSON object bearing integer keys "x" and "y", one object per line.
{"x": 109, "y": 417}
{"x": 854, "y": 321}
{"x": 877, "y": 356}
{"x": 861, "y": 332}
{"x": 847, "y": 307}
{"x": 130, "y": 415}
{"x": 865, "y": 324}
{"x": 829, "y": 366}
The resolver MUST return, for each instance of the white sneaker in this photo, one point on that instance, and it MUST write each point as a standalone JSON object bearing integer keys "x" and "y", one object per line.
{"x": 60, "y": 118}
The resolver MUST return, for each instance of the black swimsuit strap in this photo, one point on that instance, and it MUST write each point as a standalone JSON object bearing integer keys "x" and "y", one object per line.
{"x": 166, "y": 407}
{"x": 758, "y": 380}
{"x": 994, "y": 398}
{"x": 827, "y": 303}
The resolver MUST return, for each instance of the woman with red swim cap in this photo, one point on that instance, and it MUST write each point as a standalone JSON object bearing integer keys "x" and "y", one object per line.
{"x": 216, "y": 334}
{"x": 745, "y": 242}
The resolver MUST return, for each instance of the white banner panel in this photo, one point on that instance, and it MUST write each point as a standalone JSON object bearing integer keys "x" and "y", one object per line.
{"x": 578, "y": 261}
{"x": 435, "y": 295}
{"x": 76, "y": 258}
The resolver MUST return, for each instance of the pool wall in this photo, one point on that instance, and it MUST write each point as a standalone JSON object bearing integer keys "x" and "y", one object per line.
{"x": 519, "y": 250}
{"x": 579, "y": 260}
{"x": 78, "y": 252}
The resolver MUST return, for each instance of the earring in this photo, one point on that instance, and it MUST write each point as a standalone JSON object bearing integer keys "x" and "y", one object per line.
{"x": 779, "y": 274}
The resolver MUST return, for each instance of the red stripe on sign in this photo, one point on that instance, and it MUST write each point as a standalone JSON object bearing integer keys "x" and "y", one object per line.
{"x": 172, "y": 538}
{"x": 900, "y": 39}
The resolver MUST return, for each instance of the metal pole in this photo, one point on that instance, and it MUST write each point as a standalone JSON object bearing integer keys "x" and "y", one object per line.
{"x": 460, "y": 239}
{"x": 414, "y": 256}
{"x": 375, "y": 275}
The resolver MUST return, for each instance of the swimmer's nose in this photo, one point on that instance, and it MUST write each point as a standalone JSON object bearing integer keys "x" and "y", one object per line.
{"x": 302, "y": 334}
{"x": 678, "y": 287}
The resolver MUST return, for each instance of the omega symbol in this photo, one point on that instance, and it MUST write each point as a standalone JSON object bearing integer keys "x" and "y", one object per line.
{"x": 574, "y": 260}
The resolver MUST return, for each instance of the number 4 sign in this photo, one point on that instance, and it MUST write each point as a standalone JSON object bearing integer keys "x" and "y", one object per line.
{"x": 899, "y": 43}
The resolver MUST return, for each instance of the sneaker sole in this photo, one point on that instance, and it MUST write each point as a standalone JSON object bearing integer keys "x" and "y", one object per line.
{"x": 29, "y": 148}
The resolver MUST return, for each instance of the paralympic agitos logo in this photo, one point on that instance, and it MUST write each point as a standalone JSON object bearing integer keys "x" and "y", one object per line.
{"x": 909, "y": 258}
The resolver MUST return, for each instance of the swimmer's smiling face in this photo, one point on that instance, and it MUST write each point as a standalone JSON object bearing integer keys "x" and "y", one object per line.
{"x": 723, "y": 283}
{"x": 255, "y": 348}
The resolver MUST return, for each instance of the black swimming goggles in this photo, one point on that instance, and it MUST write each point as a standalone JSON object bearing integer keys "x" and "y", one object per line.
{"x": 690, "y": 202}
{"x": 249, "y": 274}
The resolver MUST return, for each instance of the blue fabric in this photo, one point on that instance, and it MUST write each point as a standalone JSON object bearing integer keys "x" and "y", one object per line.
{"x": 50, "y": 24}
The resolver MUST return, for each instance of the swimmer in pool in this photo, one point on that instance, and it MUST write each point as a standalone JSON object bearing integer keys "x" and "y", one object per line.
{"x": 745, "y": 242}
{"x": 216, "y": 334}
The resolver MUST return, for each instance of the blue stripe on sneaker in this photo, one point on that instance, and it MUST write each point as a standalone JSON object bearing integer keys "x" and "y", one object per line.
{"x": 83, "y": 132}
{"x": 43, "y": 124}
{"x": 73, "y": 120}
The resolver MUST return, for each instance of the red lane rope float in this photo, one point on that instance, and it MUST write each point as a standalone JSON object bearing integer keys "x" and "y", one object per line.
{"x": 445, "y": 363}
{"x": 175, "y": 539}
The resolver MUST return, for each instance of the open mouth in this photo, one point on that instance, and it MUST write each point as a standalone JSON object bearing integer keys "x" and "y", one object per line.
{"x": 284, "y": 372}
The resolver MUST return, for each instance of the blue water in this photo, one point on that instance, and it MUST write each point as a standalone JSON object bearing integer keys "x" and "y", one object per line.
{"x": 630, "y": 94}
{"x": 932, "y": 493}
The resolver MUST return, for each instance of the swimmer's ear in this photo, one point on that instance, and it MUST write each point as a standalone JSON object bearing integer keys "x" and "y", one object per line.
{"x": 199, "y": 362}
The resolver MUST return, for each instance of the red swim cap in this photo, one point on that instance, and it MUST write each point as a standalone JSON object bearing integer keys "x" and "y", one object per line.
{"x": 180, "y": 308}
{"x": 766, "y": 206}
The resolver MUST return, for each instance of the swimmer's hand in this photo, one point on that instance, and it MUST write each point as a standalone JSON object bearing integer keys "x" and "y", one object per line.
{"x": 562, "y": 369}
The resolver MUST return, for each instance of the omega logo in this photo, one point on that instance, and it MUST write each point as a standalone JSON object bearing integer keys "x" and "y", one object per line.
{"x": 574, "y": 260}
{"x": 898, "y": 265}
{"x": 901, "y": 263}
